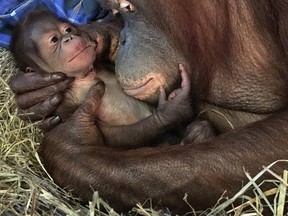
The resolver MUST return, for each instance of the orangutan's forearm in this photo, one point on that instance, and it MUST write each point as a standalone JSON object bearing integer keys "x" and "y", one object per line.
{"x": 166, "y": 174}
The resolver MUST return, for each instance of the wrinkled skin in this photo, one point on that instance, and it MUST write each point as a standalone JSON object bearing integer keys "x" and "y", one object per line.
{"x": 244, "y": 63}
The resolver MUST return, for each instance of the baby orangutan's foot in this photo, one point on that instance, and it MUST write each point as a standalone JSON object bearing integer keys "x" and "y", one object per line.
{"x": 198, "y": 131}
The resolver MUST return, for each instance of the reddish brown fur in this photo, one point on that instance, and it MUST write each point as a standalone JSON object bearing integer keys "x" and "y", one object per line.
{"x": 197, "y": 29}
{"x": 205, "y": 45}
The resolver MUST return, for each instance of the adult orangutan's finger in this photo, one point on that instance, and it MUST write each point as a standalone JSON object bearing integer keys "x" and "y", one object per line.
{"x": 42, "y": 109}
{"x": 30, "y": 99}
{"x": 24, "y": 82}
{"x": 49, "y": 123}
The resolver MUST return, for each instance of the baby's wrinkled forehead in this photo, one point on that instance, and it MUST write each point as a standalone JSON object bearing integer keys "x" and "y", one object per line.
{"x": 46, "y": 24}
{"x": 43, "y": 26}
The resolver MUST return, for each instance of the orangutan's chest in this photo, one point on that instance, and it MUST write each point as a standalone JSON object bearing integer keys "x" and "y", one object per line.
{"x": 223, "y": 119}
{"x": 244, "y": 95}
{"x": 251, "y": 93}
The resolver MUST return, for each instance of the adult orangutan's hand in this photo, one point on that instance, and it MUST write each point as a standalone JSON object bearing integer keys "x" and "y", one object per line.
{"x": 38, "y": 95}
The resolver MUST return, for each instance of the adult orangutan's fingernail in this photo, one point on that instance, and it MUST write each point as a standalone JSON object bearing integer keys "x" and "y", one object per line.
{"x": 69, "y": 80}
{"x": 56, "y": 99}
{"x": 57, "y": 76}
{"x": 55, "y": 121}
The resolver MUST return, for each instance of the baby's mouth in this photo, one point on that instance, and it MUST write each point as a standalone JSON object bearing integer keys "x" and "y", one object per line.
{"x": 78, "y": 53}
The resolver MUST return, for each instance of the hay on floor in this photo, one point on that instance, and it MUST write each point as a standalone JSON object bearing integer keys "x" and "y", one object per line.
{"x": 26, "y": 189}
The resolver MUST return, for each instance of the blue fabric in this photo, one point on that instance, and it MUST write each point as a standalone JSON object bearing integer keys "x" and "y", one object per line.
{"x": 76, "y": 11}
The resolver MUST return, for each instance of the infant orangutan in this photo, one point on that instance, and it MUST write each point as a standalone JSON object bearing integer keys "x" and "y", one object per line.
{"x": 44, "y": 43}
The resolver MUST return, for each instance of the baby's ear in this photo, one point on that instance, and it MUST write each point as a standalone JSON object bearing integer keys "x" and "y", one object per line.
{"x": 29, "y": 69}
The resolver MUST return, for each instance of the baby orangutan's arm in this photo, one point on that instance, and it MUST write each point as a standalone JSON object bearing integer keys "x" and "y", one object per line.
{"x": 170, "y": 113}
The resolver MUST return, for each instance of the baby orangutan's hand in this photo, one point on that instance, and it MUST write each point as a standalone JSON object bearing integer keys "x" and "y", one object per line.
{"x": 177, "y": 108}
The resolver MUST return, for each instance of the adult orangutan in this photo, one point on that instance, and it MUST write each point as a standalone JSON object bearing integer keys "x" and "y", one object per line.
{"x": 237, "y": 52}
